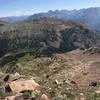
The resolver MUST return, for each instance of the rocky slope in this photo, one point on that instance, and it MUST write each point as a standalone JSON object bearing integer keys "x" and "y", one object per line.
{"x": 60, "y": 76}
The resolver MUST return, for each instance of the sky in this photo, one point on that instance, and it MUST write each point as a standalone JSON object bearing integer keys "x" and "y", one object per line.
{"x": 29, "y": 7}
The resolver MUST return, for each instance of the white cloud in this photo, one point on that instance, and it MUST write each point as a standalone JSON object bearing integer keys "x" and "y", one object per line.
{"x": 17, "y": 12}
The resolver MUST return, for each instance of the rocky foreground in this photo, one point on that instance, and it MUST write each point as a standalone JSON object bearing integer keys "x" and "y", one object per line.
{"x": 68, "y": 76}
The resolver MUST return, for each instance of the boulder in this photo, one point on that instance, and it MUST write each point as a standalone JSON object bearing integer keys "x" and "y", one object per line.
{"x": 97, "y": 91}
{"x": 44, "y": 97}
{"x": 23, "y": 85}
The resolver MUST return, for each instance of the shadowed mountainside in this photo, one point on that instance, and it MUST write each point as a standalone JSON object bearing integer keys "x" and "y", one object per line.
{"x": 46, "y": 35}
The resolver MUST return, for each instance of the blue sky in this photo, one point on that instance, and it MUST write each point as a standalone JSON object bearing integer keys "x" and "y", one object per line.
{"x": 28, "y": 7}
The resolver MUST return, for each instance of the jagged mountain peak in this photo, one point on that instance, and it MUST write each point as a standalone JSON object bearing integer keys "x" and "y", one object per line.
{"x": 89, "y": 16}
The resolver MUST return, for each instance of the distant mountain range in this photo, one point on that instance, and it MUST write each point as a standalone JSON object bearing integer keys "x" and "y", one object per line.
{"x": 13, "y": 18}
{"x": 89, "y": 16}
{"x": 2, "y": 23}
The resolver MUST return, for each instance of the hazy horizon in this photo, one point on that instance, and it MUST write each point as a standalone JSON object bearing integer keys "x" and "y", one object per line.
{"x": 22, "y": 7}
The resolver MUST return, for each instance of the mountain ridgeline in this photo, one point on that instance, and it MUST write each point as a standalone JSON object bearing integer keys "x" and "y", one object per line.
{"x": 46, "y": 35}
{"x": 89, "y": 16}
